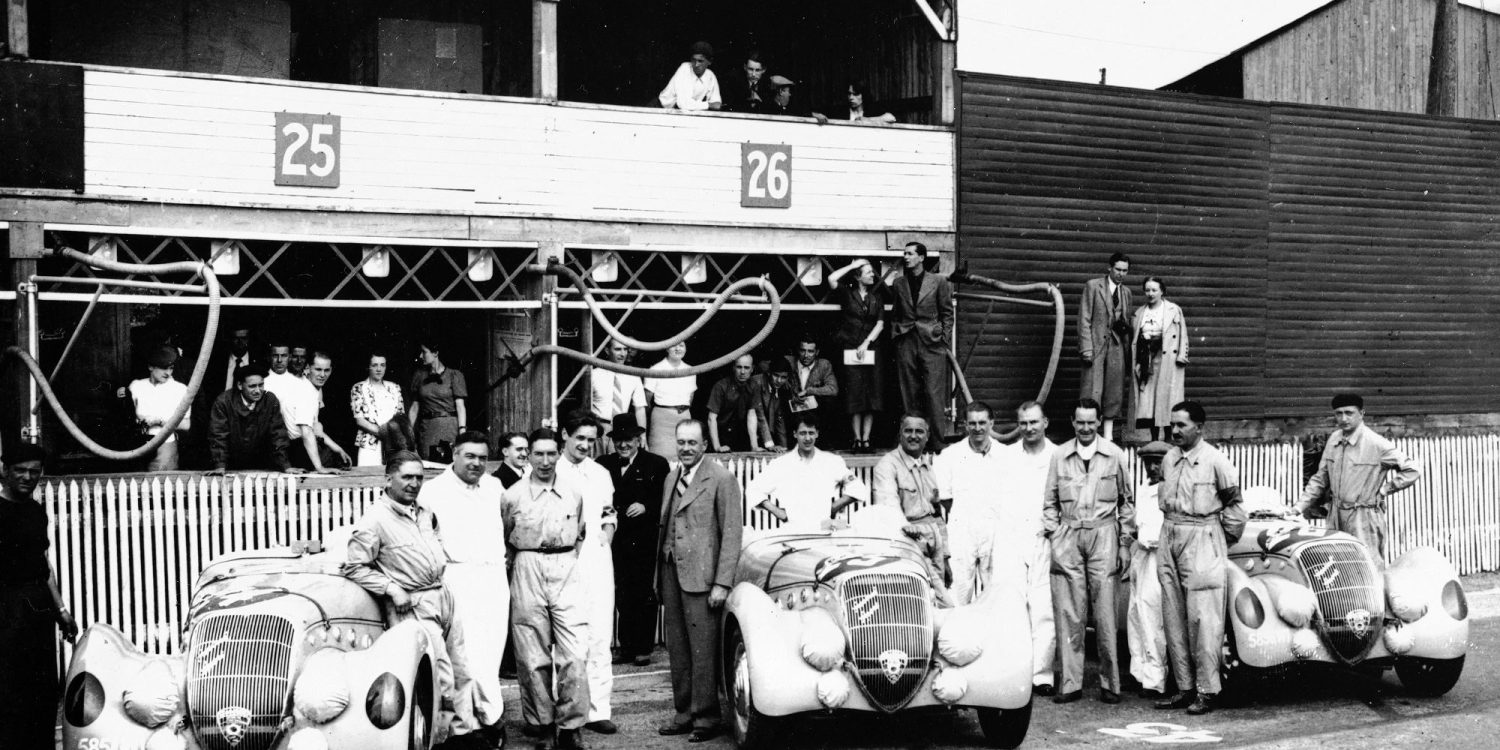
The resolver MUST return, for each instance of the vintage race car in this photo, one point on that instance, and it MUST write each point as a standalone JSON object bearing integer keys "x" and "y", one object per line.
{"x": 846, "y": 621}
{"x": 1300, "y": 594}
{"x": 280, "y": 651}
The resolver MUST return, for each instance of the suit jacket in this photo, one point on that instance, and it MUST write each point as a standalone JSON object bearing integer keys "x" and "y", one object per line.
{"x": 641, "y": 483}
{"x": 706, "y": 526}
{"x": 929, "y": 313}
{"x": 1096, "y": 312}
{"x": 507, "y": 475}
{"x": 820, "y": 382}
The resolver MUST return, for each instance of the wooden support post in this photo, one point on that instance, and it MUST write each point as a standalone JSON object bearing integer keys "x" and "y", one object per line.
{"x": 17, "y": 37}
{"x": 21, "y": 424}
{"x": 522, "y": 403}
{"x": 945, "y": 81}
{"x": 544, "y": 49}
{"x": 1442, "y": 77}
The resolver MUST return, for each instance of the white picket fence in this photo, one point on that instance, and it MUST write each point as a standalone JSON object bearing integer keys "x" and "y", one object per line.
{"x": 127, "y": 549}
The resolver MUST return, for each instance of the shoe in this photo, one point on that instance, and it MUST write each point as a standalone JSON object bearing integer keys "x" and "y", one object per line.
{"x": 703, "y": 734}
{"x": 644, "y": 660}
{"x": 1067, "y": 697}
{"x": 1180, "y": 700}
{"x": 1204, "y": 704}
{"x": 569, "y": 739}
{"x": 621, "y": 659}
{"x": 534, "y": 730}
{"x": 669, "y": 730}
{"x": 602, "y": 726}
{"x": 1043, "y": 690}
{"x": 1151, "y": 695}
{"x": 494, "y": 735}
{"x": 1109, "y": 696}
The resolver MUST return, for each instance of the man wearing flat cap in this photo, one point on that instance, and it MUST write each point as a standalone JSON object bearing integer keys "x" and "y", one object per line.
{"x": 1143, "y": 625}
{"x": 693, "y": 88}
{"x": 639, "y": 476}
{"x": 781, "y": 101}
{"x": 156, "y": 397}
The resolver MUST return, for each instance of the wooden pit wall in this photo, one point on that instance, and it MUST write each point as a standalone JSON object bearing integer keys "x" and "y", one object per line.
{"x": 1312, "y": 249}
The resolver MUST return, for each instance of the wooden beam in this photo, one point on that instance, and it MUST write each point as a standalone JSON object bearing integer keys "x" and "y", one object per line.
{"x": 544, "y": 49}
{"x": 1442, "y": 76}
{"x": 17, "y": 36}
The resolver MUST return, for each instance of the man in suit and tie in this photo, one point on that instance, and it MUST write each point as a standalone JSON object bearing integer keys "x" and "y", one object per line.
{"x": 1103, "y": 334}
{"x": 922, "y": 329}
{"x": 699, "y": 540}
{"x": 639, "y": 477}
{"x": 515, "y": 448}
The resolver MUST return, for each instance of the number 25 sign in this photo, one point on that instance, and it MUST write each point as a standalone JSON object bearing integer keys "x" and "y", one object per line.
{"x": 307, "y": 150}
{"x": 765, "y": 175}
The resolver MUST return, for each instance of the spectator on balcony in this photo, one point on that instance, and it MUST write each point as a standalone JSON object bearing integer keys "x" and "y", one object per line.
{"x": 854, "y": 109}
{"x": 246, "y": 428}
{"x": 693, "y": 88}
{"x": 861, "y": 323}
{"x": 670, "y": 400}
{"x": 438, "y": 394}
{"x": 813, "y": 383}
{"x": 330, "y": 453}
{"x": 375, "y": 402}
{"x": 614, "y": 393}
{"x": 296, "y": 362}
{"x": 746, "y": 89}
{"x": 299, "y": 409}
{"x": 921, "y": 329}
{"x": 156, "y": 397}
{"x": 774, "y": 388}
{"x": 732, "y": 419}
{"x": 781, "y": 101}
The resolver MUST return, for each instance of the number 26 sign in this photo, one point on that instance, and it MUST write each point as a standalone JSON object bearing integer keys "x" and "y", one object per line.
{"x": 765, "y": 175}
{"x": 307, "y": 149}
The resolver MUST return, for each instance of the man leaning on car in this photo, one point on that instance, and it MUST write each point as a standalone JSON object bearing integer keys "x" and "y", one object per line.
{"x": 396, "y": 555}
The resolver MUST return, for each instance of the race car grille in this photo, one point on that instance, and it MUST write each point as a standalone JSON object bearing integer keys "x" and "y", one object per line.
{"x": 239, "y": 670}
{"x": 889, "y": 621}
{"x": 1351, "y": 597}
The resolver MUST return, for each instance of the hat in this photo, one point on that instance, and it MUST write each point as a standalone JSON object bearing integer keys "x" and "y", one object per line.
{"x": 1153, "y": 449}
{"x": 702, "y": 48}
{"x": 163, "y": 357}
{"x": 779, "y": 81}
{"x": 624, "y": 427}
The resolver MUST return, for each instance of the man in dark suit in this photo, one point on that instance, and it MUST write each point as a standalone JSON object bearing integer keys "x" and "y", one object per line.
{"x": 639, "y": 477}
{"x": 812, "y": 382}
{"x": 514, "y": 450}
{"x": 699, "y": 539}
{"x": 1103, "y": 333}
{"x": 747, "y": 90}
{"x": 922, "y": 329}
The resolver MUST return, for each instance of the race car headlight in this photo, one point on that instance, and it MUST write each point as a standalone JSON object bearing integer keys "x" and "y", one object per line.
{"x": 320, "y": 694}
{"x": 960, "y": 641}
{"x": 1305, "y": 643}
{"x": 1454, "y": 601}
{"x": 1399, "y": 639}
{"x": 385, "y": 704}
{"x": 307, "y": 738}
{"x": 84, "y": 700}
{"x": 833, "y": 689}
{"x": 949, "y": 686}
{"x": 1248, "y": 608}
{"x": 152, "y": 696}
{"x": 822, "y": 641}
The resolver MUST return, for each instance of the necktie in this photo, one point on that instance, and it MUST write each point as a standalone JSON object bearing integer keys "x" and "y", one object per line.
{"x": 621, "y": 401}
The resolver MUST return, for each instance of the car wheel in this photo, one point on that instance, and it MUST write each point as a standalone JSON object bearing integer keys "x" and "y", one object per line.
{"x": 419, "y": 725}
{"x": 750, "y": 728}
{"x": 1005, "y": 727}
{"x": 1237, "y": 677}
{"x": 1429, "y": 677}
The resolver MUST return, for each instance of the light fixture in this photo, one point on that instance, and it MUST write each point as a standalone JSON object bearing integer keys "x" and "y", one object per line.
{"x": 225, "y": 258}
{"x": 103, "y": 247}
{"x": 481, "y": 264}
{"x": 809, "y": 271}
{"x": 377, "y": 261}
{"x": 604, "y": 266}
{"x": 694, "y": 268}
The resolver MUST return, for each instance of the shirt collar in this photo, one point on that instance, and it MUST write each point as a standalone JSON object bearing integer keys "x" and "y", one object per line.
{"x": 1190, "y": 455}
{"x": 1351, "y": 439}
{"x": 410, "y": 512}
{"x": 537, "y": 490}
{"x": 912, "y": 464}
{"x": 453, "y": 478}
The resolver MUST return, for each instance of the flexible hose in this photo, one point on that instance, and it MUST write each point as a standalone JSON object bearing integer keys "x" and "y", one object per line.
{"x": 1060, "y": 324}
{"x": 656, "y": 346}
{"x": 646, "y": 372}
{"x": 205, "y": 351}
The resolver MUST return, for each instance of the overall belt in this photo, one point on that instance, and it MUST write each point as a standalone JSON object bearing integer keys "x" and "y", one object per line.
{"x": 549, "y": 550}
{"x": 1097, "y": 523}
{"x": 1191, "y": 519}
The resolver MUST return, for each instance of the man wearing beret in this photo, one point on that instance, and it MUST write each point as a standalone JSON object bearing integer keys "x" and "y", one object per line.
{"x": 1143, "y": 622}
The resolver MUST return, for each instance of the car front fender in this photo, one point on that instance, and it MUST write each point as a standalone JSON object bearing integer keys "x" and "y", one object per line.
{"x": 781, "y": 681}
{"x": 1001, "y": 676}
{"x": 108, "y": 656}
{"x": 401, "y": 651}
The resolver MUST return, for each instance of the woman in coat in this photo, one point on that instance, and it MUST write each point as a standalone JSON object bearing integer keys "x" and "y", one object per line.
{"x": 1159, "y": 339}
{"x": 861, "y": 322}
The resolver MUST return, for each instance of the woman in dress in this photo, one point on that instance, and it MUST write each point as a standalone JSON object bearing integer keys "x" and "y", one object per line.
{"x": 437, "y": 396}
{"x": 1160, "y": 343}
{"x": 374, "y": 401}
{"x": 670, "y": 400}
{"x": 861, "y": 323}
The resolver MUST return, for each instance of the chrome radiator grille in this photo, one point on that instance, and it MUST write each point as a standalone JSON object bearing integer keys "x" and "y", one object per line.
{"x": 238, "y": 672}
{"x": 1351, "y": 596}
{"x": 889, "y": 620}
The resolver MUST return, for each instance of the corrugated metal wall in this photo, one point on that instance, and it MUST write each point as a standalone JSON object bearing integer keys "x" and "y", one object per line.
{"x": 1312, "y": 249}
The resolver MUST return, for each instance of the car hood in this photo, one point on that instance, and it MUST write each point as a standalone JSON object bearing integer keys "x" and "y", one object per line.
{"x": 780, "y": 560}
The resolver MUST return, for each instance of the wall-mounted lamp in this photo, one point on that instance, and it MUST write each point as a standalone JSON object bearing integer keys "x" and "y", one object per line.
{"x": 481, "y": 264}
{"x": 377, "y": 262}
{"x": 225, "y": 258}
{"x": 809, "y": 271}
{"x": 604, "y": 266}
{"x": 694, "y": 268}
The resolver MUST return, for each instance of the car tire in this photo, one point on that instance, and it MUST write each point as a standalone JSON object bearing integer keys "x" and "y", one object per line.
{"x": 419, "y": 723}
{"x": 1237, "y": 679}
{"x": 1005, "y": 727}
{"x": 750, "y": 729}
{"x": 1429, "y": 677}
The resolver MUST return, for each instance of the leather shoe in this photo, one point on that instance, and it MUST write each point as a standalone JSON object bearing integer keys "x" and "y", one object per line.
{"x": 669, "y": 730}
{"x": 1067, "y": 697}
{"x": 621, "y": 659}
{"x": 1109, "y": 696}
{"x": 1043, "y": 690}
{"x": 703, "y": 734}
{"x": 569, "y": 739}
{"x": 1201, "y": 706}
{"x": 602, "y": 726}
{"x": 643, "y": 660}
{"x": 1182, "y": 699}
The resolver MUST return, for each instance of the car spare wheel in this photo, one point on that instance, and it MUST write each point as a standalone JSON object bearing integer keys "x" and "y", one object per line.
{"x": 1429, "y": 677}
{"x": 419, "y": 735}
{"x": 1005, "y": 727}
{"x": 751, "y": 729}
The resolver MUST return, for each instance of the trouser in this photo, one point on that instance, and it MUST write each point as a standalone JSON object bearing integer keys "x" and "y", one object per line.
{"x": 633, "y": 596}
{"x": 1085, "y": 574}
{"x": 434, "y": 608}
{"x": 1364, "y": 522}
{"x": 1192, "y": 564}
{"x": 28, "y": 664}
{"x": 1106, "y": 378}
{"x": 165, "y": 458}
{"x": 692, "y": 629}
{"x": 549, "y": 626}
{"x": 1143, "y": 622}
{"x": 481, "y": 596}
{"x": 922, "y": 370}
{"x": 969, "y": 549}
{"x": 1023, "y": 569}
{"x": 599, "y": 576}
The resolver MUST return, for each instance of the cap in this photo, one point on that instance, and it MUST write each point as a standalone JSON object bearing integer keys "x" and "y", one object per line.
{"x": 779, "y": 81}
{"x": 1153, "y": 449}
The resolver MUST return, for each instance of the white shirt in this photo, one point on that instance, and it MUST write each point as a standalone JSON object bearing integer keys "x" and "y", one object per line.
{"x": 672, "y": 391}
{"x": 1148, "y": 515}
{"x": 157, "y": 402}
{"x": 806, "y": 488}
{"x": 689, "y": 92}
{"x": 468, "y": 517}
{"x": 973, "y": 481}
{"x": 299, "y": 401}
{"x": 598, "y": 497}
{"x": 612, "y": 393}
{"x": 1024, "y": 477}
{"x": 234, "y": 362}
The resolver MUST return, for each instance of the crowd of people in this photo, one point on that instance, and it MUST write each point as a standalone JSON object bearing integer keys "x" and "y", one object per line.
{"x": 694, "y": 87}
